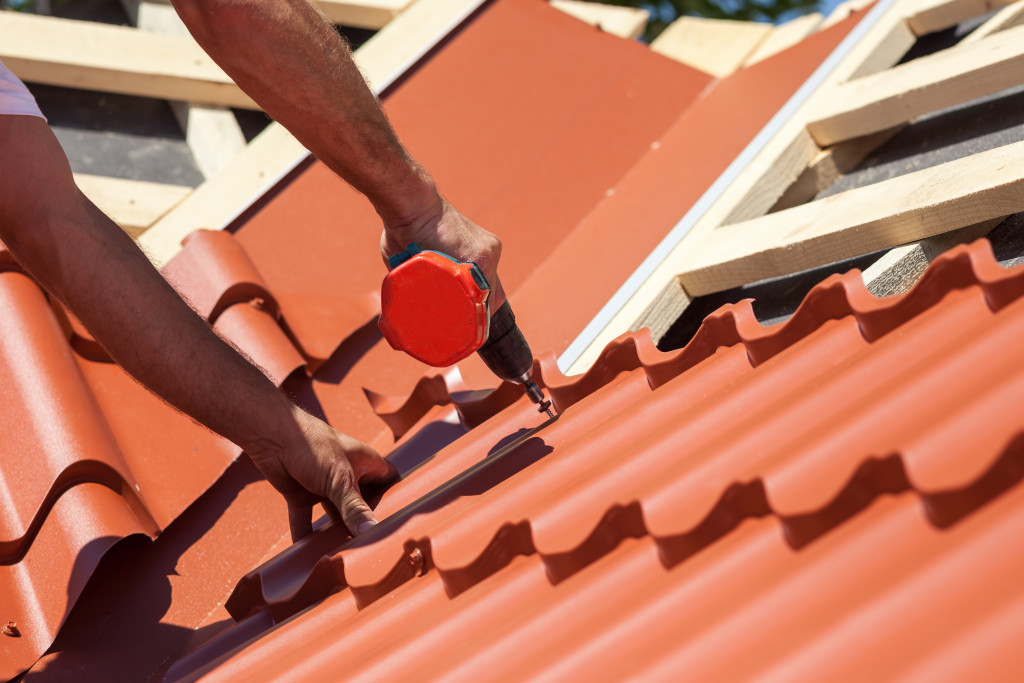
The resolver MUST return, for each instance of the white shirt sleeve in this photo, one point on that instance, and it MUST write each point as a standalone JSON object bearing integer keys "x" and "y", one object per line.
{"x": 15, "y": 97}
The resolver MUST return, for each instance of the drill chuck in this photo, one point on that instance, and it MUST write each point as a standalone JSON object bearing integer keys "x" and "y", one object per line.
{"x": 506, "y": 352}
{"x": 509, "y": 357}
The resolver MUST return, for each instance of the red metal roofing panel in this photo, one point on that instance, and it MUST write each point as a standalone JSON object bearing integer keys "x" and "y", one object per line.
{"x": 835, "y": 496}
{"x": 491, "y": 146}
{"x": 90, "y": 456}
{"x": 290, "y": 311}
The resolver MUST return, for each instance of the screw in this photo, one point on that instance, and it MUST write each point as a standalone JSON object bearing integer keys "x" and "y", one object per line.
{"x": 416, "y": 559}
{"x": 11, "y": 629}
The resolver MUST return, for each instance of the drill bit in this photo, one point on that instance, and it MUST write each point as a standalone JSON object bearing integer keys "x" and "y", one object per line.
{"x": 536, "y": 395}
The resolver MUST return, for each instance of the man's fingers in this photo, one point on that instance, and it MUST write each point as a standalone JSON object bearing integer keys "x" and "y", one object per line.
{"x": 357, "y": 515}
{"x": 300, "y": 521}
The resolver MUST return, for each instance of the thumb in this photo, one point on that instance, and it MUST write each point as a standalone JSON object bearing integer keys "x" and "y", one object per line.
{"x": 356, "y": 514}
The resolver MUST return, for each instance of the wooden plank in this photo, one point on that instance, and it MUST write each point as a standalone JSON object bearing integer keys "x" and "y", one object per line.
{"x": 624, "y": 22}
{"x": 771, "y": 172}
{"x": 900, "y": 268}
{"x": 359, "y": 13}
{"x": 119, "y": 59}
{"x": 940, "y": 80}
{"x": 274, "y": 151}
{"x": 937, "y": 15}
{"x": 827, "y": 167}
{"x": 715, "y": 46}
{"x": 897, "y": 211}
{"x": 362, "y": 13}
{"x": 220, "y": 197}
{"x": 1008, "y": 17}
{"x": 842, "y": 12}
{"x": 212, "y": 133}
{"x": 760, "y": 185}
{"x": 785, "y": 36}
{"x": 133, "y": 204}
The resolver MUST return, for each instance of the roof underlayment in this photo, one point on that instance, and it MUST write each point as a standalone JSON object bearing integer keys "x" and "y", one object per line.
{"x": 832, "y": 497}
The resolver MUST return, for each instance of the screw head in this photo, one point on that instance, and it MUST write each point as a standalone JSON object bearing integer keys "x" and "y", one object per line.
{"x": 11, "y": 629}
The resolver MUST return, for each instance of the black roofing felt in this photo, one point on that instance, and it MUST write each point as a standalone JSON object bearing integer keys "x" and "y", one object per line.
{"x": 120, "y": 136}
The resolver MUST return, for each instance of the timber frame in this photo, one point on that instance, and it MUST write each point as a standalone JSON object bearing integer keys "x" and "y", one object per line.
{"x": 764, "y": 222}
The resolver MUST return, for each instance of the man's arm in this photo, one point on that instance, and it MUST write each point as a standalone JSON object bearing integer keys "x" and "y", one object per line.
{"x": 288, "y": 58}
{"x": 83, "y": 258}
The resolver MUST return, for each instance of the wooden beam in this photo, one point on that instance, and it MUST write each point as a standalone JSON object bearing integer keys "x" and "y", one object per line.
{"x": 935, "y": 15}
{"x": 624, "y": 22}
{"x": 842, "y": 12}
{"x": 220, "y": 197}
{"x": 901, "y": 268}
{"x": 897, "y": 211}
{"x": 785, "y": 36}
{"x": 359, "y": 13}
{"x": 765, "y": 179}
{"x": 754, "y": 191}
{"x": 81, "y": 54}
{"x": 133, "y": 204}
{"x": 1008, "y": 17}
{"x": 362, "y": 13}
{"x": 212, "y": 133}
{"x": 827, "y": 167}
{"x": 274, "y": 151}
{"x": 924, "y": 85}
{"x": 715, "y": 46}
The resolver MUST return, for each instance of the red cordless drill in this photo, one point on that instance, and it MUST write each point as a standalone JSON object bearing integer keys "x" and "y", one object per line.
{"x": 435, "y": 308}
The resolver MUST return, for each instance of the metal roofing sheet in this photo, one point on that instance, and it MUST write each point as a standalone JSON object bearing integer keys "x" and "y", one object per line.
{"x": 286, "y": 311}
{"x": 835, "y": 496}
{"x": 89, "y": 457}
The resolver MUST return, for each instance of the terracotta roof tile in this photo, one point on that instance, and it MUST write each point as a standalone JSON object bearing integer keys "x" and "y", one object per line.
{"x": 530, "y": 157}
{"x": 769, "y": 448}
{"x": 79, "y": 466}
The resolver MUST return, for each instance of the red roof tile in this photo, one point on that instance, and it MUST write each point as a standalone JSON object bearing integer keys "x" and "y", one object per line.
{"x": 89, "y": 457}
{"x": 528, "y": 146}
{"x": 684, "y": 501}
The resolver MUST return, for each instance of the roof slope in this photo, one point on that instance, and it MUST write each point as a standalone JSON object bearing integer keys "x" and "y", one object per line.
{"x": 770, "y": 511}
{"x": 544, "y": 117}
{"x": 119, "y": 462}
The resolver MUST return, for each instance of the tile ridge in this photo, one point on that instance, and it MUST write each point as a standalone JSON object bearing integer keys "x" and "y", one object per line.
{"x": 836, "y": 297}
{"x": 874, "y": 477}
{"x": 79, "y": 472}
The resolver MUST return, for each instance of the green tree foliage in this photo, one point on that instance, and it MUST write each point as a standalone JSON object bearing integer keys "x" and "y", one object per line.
{"x": 664, "y": 12}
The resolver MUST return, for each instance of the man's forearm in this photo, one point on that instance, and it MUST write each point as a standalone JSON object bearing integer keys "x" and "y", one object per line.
{"x": 77, "y": 253}
{"x": 289, "y": 58}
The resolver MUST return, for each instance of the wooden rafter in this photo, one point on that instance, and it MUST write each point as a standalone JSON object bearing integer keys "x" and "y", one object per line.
{"x": 624, "y": 22}
{"x": 716, "y": 254}
{"x": 118, "y": 59}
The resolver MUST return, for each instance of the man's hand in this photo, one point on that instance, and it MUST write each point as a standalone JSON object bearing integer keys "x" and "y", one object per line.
{"x": 319, "y": 464}
{"x": 444, "y": 229}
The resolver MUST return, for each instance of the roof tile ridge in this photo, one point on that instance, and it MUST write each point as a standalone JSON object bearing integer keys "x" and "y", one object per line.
{"x": 214, "y": 271}
{"x": 739, "y": 501}
{"x": 106, "y": 463}
{"x": 14, "y": 550}
{"x": 840, "y": 296}
{"x": 836, "y": 297}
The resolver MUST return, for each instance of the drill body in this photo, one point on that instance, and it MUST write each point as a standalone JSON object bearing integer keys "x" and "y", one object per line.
{"x": 436, "y": 309}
